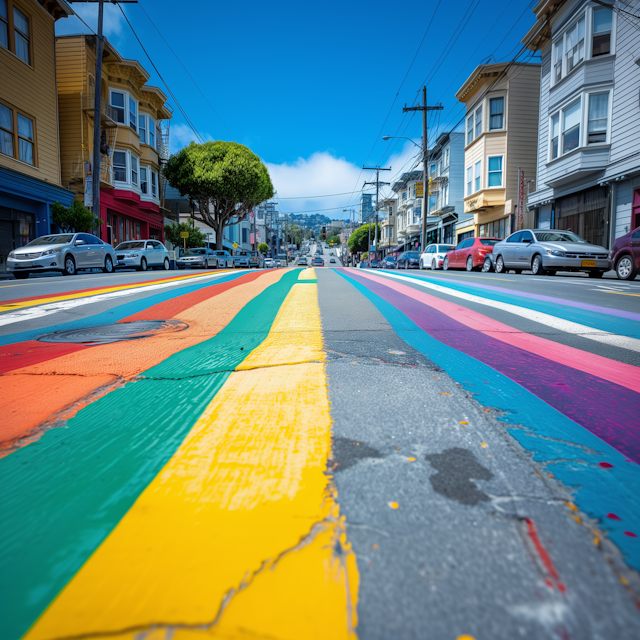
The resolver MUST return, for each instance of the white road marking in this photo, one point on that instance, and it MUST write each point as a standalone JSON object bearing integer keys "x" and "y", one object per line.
{"x": 31, "y": 313}
{"x": 624, "y": 342}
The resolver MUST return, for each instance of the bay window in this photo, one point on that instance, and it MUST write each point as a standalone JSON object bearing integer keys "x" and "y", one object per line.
{"x": 142, "y": 129}
{"x": 133, "y": 114}
{"x": 120, "y": 166}
{"x": 575, "y": 45}
{"x": 495, "y": 171}
{"x": 144, "y": 180}
{"x": 571, "y": 127}
{"x": 152, "y": 133}
{"x": 496, "y": 113}
{"x": 598, "y": 118}
{"x": 602, "y": 21}
{"x": 557, "y": 60}
{"x": 154, "y": 184}
{"x": 117, "y": 103}
{"x": 134, "y": 170}
{"x": 476, "y": 176}
{"x": 470, "y": 129}
{"x": 469, "y": 181}
{"x": 555, "y": 135}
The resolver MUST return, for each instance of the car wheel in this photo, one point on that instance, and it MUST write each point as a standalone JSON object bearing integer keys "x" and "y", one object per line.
{"x": 433, "y": 265}
{"x": 108, "y": 265}
{"x": 21, "y": 275}
{"x": 625, "y": 269}
{"x": 143, "y": 264}
{"x": 421, "y": 264}
{"x": 445, "y": 264}
{"x": 499, "y": 264}
{"x": 487, "y": 265}
{"x": 536, "y": 266}
{"x": 166, "y": 264}
{"x": 596, "y": 274}
{"x": 469, "y": 263}
{"x": 69, "y": 266}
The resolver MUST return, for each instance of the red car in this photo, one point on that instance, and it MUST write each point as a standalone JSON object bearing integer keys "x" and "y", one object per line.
{"x": 624, "y": 257}
{"x": 469, "y": 254}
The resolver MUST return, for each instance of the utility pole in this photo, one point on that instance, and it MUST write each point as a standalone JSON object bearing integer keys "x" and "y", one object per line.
{"x": 424, "y": 108}
{"x": 377, "y": 183}
{"x": 97, "y": 98}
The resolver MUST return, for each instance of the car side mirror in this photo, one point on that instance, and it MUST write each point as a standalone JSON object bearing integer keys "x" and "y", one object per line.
{"x": 77, "y": 243}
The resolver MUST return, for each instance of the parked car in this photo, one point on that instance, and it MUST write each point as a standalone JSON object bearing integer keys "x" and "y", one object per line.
{"x": 302, "y": 262}
{"x": 408, "y": 260}
{"x": 318, "y": 261}
{"x": 255, "y": 259}
{"x": 375, "y": 263}
{"x": 269, "y": 263}
{"x": 624, "y": 256}
{"x": 332, "y": 260}
{"x": 141, "y": 255}
{"x": 200, "y": 258}
{"x": 433, "y": 256}
{"x": 470, "y": 254}
{"x": 225, "y": 259}
{"x": 545, "y": 251}
{"x": 389, "y": 262}
{"x": 64, "y": 252}
{"x": 241, "y": 259}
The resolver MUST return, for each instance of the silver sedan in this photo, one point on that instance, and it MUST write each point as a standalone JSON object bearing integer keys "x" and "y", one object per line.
{"x": 63, "y": 252}
{"x": 142, "y": 255}
{"x": 545, "y": 251}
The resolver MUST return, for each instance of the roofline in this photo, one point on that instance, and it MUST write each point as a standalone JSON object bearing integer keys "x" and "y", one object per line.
{"x": 540, "y": 33}
{"x": 485, "y": 70}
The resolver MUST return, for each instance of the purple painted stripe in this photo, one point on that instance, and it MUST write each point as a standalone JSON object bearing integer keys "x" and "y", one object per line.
{"x": 629, "y": 315}
{"x": 607, "y": 410}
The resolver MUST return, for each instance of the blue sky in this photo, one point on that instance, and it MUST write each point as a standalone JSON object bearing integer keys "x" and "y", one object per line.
{"x": 307, "y": 86}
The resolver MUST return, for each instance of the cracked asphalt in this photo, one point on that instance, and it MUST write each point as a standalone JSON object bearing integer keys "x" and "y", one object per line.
{"x": 321, "y": 453}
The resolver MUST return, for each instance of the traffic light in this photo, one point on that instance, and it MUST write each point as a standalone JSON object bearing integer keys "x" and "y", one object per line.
{"x": 324, "y": 233}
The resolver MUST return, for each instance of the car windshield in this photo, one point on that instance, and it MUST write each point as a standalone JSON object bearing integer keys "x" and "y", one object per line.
{"x": 124, "y": 246}
{"x": 412, "y": 254}
{"x": 442, "y": 248}
{"x": 488, "y": 243}
{"x": 57, "y": 239}
{"x": 558, "y": 236}
{"x": 195, "y": 252}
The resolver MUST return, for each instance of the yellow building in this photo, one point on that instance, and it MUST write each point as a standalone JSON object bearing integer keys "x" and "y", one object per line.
{"x": 134, "y": 134}
{"x": 30, "y": 179}
{"x": 501, "y": 133}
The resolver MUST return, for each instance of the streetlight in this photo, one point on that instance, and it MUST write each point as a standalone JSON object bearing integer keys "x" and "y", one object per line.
{"x": 404, "y": 138}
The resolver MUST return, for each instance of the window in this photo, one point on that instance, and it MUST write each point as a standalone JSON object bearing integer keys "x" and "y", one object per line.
{"x": 117, "y": 102}
{"x": 154, "y": 184}
{"x": 598, "y": 118}
{"x": 142, "y": 129}
{"x": 21, "y": 35}
{"x": 143, "y": 180}
{"x": 4, "y": 24}
{"x": 469, "y": 181}
{"x": 25, "y": 139}
{"x": 133, "y": 114}
{"x": 571, "y": 127}
{"x": 120, "y": 167}
{"x": 446, "y": 194}
{"x": 575, "y": 45}
{"x": 445, "y": 161}
{"x": 495, "y": 171}
{"x": 469, "y": 129}
{"x": 557, "y": 60}
{"x": 152, "y": 133}
{"x": 134, "y": 170}
{"x": 555, "y": 135}
{"x": 476, "y": 176}
{"x": 6, "y": 130}
{"x": 478, "y": 121}
{"x": 496, "y": 114}
{"x": 601, "y": 43}
{"x": 515, "y": 237}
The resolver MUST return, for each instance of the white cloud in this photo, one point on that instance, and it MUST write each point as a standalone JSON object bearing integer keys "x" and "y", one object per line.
{"x": 181, "y": 135}
{"x": 112, "y": 26}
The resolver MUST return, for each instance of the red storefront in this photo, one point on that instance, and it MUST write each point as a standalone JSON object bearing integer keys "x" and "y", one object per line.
{"x": 125, "y": 216}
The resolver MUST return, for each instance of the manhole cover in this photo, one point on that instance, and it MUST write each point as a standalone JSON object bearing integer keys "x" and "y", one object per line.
{"x": 115, "y": 332}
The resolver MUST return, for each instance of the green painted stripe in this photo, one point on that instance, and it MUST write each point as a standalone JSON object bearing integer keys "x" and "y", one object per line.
{"x": 71, "y": 488}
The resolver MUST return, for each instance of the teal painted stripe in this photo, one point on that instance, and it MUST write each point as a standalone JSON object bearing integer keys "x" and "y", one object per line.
{"x": 65, "y": 493}
{"x": 553, "y": 438}
{"x": 620, "y": 326}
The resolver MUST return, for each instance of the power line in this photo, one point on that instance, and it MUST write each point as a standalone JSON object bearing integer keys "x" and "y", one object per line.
{"x": 187, "y": 71}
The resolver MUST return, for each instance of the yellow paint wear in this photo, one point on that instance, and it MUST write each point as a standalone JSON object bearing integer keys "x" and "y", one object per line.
{"x": 307, "y": 274}
{"x": 236, "y": 536}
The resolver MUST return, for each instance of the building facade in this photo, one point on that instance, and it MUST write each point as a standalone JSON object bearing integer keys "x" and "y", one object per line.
{"x": 588, "y": 171}
{"x": 366, "y": 207}
{"x": 501, "y": 132}
{"x": 134, "y": 136}
{"x": 409, "y": 210}
{"x": 388, "y": 236}
{"x": 30, "y": 178}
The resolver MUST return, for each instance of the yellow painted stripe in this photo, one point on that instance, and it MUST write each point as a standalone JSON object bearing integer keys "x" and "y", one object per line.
{"x": 622, "y": 293}
{"x": 307, "y": 274}
{"x": 236, "y": 537}
{"x": 96, "y": 292}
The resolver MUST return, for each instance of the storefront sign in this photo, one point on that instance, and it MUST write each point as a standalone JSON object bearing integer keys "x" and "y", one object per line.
{"x": 420, "y": 188}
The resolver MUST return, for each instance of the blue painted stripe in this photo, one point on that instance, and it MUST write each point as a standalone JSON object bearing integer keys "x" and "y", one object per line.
{"x": 548, "y": 434}
{"x": 620, "y": 326}
{"x": 116, "y": 313}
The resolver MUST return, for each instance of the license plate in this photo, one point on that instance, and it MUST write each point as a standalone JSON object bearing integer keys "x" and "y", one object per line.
{"x": 588, "y": 263}
{"x": 24, "y": 265}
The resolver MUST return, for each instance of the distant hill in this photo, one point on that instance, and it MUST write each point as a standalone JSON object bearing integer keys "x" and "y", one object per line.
{"x": 311, "y": 220}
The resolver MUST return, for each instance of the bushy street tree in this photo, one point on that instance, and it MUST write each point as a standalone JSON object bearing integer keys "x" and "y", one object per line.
{"x": 263, "y": 248}
{"x": 223, "y": 181}
{"x": 74, "y": 218}
{"x": 172, "y": 234}
{"x": 359, "y": 238}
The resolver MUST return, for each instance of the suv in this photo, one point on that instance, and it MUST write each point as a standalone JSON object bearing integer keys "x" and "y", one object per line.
{"x": 225, "y": 260}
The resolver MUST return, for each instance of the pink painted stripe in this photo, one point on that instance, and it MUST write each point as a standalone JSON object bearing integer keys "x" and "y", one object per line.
{"x": 625, "y": 375}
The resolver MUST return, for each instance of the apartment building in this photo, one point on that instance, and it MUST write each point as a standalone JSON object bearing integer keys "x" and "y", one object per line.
{"x": 134, "y": 137}
{"x": 501, "y": 133}
{"x": 588, "y": 170}
{"x": 446, "y": 220}
{"x": 388, "y": 237}
{"x": 409, "y": 210}
{"x": 30, "y": 179}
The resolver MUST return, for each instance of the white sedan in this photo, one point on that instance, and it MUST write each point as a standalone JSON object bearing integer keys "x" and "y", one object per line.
{"x": 433, "y": 256}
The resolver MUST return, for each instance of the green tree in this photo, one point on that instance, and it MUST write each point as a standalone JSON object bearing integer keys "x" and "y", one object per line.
{"x": 74, "y": 218}
{"x": 223, "y": 180}
{"x": 263, "y": 248}
{"x": 359, "y": 238}
{"x": 172, "y": 234}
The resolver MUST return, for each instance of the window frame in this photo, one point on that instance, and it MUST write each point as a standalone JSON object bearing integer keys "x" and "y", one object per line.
{"x": 11, "y": 35}
{"x": 477, "y": 176}
{"x": 592, "y": 34}
{"x": 502, "y": 97}
{"x": 144, "y": 190}
{"x": 126, "y": 166}
{"x": 136, "y": 171}
{"x": 153, "y": 130}
{"x": 469, "y": 180}
{"x": 125, "y": 106}
{"x": 154, "y": 184}
{"x": 501, "y": 172}
{"x": 15, "y": 112}
{"x": 587, "y": 105}
{"x": 133, "y": 101}
{"x": 142, "y": 128}
{"x": 6, "y": 21}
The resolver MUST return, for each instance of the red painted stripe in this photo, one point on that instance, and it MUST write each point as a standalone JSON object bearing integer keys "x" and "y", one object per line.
{"x": 25, "y": 354}
{"x": 625, "y": 375}
{"x": 544, "y": 556}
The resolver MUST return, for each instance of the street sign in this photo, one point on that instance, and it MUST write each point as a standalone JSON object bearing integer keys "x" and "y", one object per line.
{"x": 235, "y": 245}
{"x": 184, "y": 234}
{"x": 88, "y": 192}
{"x": 419, "y": 189}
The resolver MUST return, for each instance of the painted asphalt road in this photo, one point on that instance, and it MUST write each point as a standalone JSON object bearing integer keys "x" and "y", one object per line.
{"x": 321, "y": 454}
